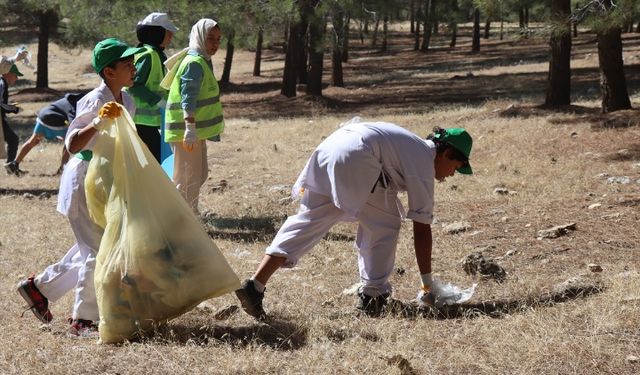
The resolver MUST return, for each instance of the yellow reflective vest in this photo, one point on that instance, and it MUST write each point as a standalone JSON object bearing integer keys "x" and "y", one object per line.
{"x": 150, "y": 114}
{"x": 208, "y": 116}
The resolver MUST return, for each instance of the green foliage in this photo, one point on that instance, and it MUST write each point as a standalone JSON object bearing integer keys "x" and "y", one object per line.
{"x": 603, "y": 15}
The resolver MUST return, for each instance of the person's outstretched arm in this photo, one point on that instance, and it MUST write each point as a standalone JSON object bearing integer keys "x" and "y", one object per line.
{"x": 422, "y": 242}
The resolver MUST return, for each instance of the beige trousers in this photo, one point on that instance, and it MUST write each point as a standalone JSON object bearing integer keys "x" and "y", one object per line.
{"x": 190, "y": 171}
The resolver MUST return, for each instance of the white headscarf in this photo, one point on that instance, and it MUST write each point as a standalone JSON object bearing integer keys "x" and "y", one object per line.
{"x": 197, "y": 40}
{"x": 198, "y": 36}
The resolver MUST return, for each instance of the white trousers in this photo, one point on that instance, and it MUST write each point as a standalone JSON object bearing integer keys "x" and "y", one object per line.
{"x": 379, "y": 226}
{"x": 76, "y": 268}
{"x": 190, "y": 171}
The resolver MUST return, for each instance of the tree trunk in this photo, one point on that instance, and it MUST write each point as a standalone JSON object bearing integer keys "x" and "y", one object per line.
{"x": 337, "y": 76}
{"x": 426, "y": 29}
{"x": 258, "y": 59}
{"x": 416, "y": 45}
{"x": 228, "y": 60}
{"x": 286, "y": 37}
{"x": 412, "y": 16}
{"x": 47, "y": 22}
{"x": 338, "y": 43}
{"x": 521, "y": 17}
{"x": 629, "y": 27}
{"x": 385, "y": 32}
{"x": 559, "y": 78}
{"x": 454, "y": 35}
{"x": 374, "y": 39}
{"x": 612, "y": 80}
{"x": 345, "y": 42}
{"x": 292, "y": 62}
{"x": 316, "y": 53}
{"x": 487, "y": 28}
{"x": 475, "y": 45}
{"x": 526, "y": 17}
{"x": 303, "y": 56}
{"x": 501, "y": 28}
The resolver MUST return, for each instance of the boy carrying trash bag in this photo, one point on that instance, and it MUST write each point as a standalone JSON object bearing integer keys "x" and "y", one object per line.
{"x": 155, "y": 261}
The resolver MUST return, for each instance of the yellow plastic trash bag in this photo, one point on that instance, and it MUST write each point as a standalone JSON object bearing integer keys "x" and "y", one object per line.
{"x": 155, "y": 261}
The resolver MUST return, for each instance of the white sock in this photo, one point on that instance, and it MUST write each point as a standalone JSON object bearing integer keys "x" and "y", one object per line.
{"x": 258, "y": 285}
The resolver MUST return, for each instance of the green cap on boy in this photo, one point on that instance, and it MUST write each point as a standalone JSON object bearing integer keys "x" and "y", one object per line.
{"x": 110, "y": 50}
{"x": 459, "y": 139}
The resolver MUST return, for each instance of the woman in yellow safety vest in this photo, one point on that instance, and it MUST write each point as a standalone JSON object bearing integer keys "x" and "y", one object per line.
{"x": 194, "y": 111}
{"x": 154, "y": 33}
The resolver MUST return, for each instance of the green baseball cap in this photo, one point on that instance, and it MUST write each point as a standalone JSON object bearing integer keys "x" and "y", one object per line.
{"x": 459, "y": 139}
{"x": 14, "y": 70}
{"x": 110, "y": 50}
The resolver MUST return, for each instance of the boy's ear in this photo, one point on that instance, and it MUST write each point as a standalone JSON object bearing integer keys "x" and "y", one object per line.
{"x": 108, "y": 72}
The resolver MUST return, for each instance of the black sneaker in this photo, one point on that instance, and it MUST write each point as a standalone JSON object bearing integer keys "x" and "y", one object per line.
{"x": 251, "y": 300}
{"x": 14, "y": 168}
{"x": 372, "y": 306}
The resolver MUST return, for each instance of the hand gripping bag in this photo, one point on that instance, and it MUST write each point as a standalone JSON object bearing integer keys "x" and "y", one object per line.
{"x": 155, "y": 261}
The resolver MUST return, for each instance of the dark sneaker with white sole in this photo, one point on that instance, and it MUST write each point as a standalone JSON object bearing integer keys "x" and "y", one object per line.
{"x": 251, "y": 299}
{"x": 38, "y": 303}
{"x": 372, "y": 306}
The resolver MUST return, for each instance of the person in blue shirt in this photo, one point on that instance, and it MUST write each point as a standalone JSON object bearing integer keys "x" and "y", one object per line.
{"x": 52, "y": 123}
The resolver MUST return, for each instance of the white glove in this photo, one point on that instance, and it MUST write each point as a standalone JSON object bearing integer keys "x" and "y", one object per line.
{"x": 190, "y": 136}
{"x": 426, "y": 295}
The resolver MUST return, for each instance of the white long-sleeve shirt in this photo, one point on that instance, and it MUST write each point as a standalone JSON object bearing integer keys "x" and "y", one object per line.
{"x": 347, "y": 164}
{"x": 71, "y": 192}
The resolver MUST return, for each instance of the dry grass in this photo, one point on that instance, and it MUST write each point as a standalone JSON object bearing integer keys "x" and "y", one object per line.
{"x": 550, "y": 161}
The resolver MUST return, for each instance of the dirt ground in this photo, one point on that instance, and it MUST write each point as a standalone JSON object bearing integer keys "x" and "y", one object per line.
{"x": 534, "y": 168}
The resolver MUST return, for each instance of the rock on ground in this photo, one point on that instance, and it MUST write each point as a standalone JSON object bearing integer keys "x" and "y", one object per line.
{"x": 476, "y": 263}
{"x": 557, "y": 231}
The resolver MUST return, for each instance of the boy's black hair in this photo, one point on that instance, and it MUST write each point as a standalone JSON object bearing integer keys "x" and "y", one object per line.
{"x": 112, "y": 65}
{"x": 442, "y": 145}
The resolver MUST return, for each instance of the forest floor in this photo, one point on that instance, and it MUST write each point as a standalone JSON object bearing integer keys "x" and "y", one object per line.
{"x": 567, "y": 304}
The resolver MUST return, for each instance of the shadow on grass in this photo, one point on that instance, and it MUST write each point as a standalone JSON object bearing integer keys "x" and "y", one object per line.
{"x": 277, "y": 333}
{"x": 253, "y": 229}
{"x": 243, "y": 229}
{"x": 41, "y": 193}
{"x": 631, "y": 153}
{"x": 565, "y": 292}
